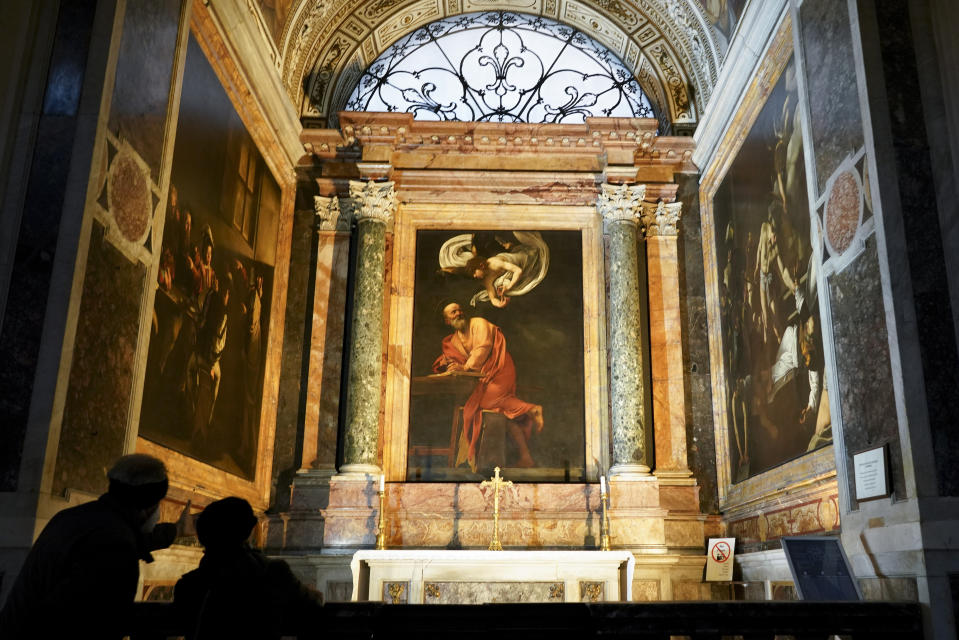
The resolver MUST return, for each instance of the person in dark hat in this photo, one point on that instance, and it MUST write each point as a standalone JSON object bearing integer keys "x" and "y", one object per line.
{"x": 237, "y": 592}
{"x": 80, "y": 578}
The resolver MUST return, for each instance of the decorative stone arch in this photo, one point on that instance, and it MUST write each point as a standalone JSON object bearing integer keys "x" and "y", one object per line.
{"x": 667, "y": 44}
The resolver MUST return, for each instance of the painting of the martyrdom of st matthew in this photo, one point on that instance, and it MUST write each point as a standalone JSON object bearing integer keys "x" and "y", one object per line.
{"x": 778, "y": 399}
{"x": 497, "y": 356}
{"x": 204, "y": 377}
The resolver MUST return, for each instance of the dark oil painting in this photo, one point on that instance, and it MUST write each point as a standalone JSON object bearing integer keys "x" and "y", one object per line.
{"x": 723, "y": 16}
{"x": 204, "y": 377}
{"x": 772, "y": 340}
{"x": 497, "y": 356}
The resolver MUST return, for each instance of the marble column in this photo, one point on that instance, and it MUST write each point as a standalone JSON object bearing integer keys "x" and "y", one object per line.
{"x": 620, "y": 206}
{"x": 660, "y": 227}
{"x": 374, "y": 204}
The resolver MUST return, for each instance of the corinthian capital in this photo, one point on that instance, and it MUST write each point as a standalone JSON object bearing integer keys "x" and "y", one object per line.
{"x": 661, "y": 219}
{"x": 373, "y": 200}
{"x": 329, "y": 215}
{"x": 620, "y": 202}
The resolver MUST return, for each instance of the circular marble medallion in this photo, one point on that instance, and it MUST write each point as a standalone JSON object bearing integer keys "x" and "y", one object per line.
{"x": 843, "y": 211}
{"x": 129, "y": 197}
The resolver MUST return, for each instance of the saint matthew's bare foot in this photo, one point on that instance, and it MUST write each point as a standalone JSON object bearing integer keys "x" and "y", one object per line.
{"x": 525, "y": 462}
{"x": 536, "y": 413}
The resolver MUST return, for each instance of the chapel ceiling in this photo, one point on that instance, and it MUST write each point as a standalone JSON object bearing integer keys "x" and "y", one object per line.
{"x": 673, "y": 47}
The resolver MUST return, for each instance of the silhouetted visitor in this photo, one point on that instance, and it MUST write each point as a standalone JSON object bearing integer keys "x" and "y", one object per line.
{"x": 237, "y": 592}
{"x": 80, "y": 578}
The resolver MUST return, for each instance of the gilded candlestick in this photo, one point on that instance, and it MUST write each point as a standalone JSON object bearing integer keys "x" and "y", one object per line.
{"x": 496, "y": 483}
{"x": 381, "y": 528}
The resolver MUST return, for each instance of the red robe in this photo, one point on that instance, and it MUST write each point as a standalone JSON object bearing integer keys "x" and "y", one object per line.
{"x": 496, "y": 390}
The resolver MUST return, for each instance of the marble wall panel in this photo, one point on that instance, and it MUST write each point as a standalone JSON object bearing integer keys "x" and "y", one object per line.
{"x": 684, "y": 533}
{"x": 689, "y": 590}
{"x": 862, "y": 360}
{"x": 98, "y": 394}
{"x": 484, "y": 592}
{"x": 304, "y": 532}
{"x": 885, "y": 588}
{"x": 700, "y": 435}
{"x": 633, "y": 494}
{"x": 425, "y": 532}
{"x": 633, "y": 531}
{"x": 36, "y": 245}
{"x": 679, "y": 498}
{"x": 908, "y": 104}
{"x": 339, "y": 591}
{"x": 645, "y": 590}
{"x": 835, "y": 117}
{"x": 290, "y": 398}
{"x": 353, "y": 530}
{"x": 141, "y": 91}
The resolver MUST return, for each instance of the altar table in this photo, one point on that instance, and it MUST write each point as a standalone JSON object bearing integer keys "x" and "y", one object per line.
{"x": 478, "y": 577}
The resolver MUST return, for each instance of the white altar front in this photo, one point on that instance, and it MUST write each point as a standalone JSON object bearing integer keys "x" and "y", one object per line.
{"x": 479, "y": 577}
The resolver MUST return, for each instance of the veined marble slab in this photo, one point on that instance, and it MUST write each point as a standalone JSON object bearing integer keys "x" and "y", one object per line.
{"x": 418, "y": 576}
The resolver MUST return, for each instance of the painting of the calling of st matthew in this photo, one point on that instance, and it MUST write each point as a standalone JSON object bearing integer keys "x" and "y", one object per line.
{"x": 497, "y": 359}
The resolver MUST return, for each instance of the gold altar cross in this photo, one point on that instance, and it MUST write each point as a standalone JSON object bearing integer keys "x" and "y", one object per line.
{"x": 497, "y": 483}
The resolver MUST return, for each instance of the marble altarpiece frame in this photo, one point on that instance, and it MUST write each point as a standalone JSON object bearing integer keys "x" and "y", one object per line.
{"x": 195, "y": 477}
{"x": 803, "y": 481}
{"x": 412, "y": 218}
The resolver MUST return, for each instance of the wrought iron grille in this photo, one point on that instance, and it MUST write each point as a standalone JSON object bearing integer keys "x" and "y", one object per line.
{"x": 500, "y": 66}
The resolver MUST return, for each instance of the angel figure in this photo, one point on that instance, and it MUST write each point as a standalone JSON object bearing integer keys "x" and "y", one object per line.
{"x": 509, "y": 264}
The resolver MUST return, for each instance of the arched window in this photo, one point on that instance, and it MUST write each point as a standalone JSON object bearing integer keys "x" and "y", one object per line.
{"x": 500, "y": 66}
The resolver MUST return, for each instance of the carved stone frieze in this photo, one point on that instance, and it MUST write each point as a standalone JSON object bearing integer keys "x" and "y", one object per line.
{"x": 661, "y": 219}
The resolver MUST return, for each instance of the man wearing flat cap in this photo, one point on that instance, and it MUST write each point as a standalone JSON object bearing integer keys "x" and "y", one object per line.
{"x": 80, "y": 578}
{"x": 237, "y": 592}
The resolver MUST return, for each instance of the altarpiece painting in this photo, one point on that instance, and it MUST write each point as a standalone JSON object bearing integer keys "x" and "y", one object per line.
{"x": 496, "y": 344}
{"x": 497, "y": 355}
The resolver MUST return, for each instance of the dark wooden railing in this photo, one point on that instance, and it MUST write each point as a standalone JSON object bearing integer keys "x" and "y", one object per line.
{"x": 652, "y": 621}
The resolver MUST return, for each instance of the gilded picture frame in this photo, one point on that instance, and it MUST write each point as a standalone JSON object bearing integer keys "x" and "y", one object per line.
{"x": 413, "y": 217}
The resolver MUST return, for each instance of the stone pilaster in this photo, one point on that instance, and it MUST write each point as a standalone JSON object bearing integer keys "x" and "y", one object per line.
{"x": 332, "y": 225}
{"x": 660, "y": 226}
{"x": 620, "y": 206}
{"x": 374, "y": 204}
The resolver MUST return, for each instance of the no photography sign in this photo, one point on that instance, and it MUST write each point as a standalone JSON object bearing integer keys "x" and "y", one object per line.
{"x": 719, "y": 560}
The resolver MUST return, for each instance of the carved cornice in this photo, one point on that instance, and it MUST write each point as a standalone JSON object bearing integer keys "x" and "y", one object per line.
{"x": 609, "y": 141}
{"x": 661, "y": 219}
{"x": 373, "y": 200}
{"x": 330, "y": 215}
{"x": 621, "y": 202}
